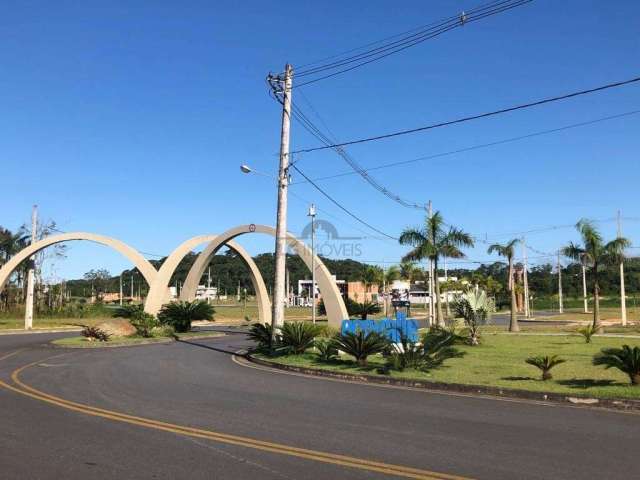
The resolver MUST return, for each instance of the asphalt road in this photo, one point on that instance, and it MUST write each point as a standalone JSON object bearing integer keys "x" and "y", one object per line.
{"x": 197, "y": 384}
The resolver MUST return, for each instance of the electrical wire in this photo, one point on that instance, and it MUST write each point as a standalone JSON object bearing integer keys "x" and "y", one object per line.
{"x": 336, "y": 203}
{"x": 473, "y": 117}
{"x": 480, "y": 146}
{"x": 406, "y": 42}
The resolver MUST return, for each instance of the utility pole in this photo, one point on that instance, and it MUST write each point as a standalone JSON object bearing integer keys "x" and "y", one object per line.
{"x": 525, "y": 279}
{"x": 121, "y": 289}
{"x": 312, "y": 214}
{"x": 584, "y": 284}
{"x": 561, "y": 307}
{"x": 28, "y": 311}
{"x": 281, "y": 223}
{"x": 623, "y": 296}
{"x": 431, "y": 306}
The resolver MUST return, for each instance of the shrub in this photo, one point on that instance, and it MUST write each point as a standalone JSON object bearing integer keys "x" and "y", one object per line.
{"x": 588, "y": 332}
{"x": 360, "y": 345}
{"x": 94, "y": 333}
{"x": 180, "y": 314}
{"x": 545, "y": 364}
{"x": 163, "y": 331}
{"x": 625, "y": 359}
{"x": 296, "y": 337}
{"x": 327, "y": 350}
{"x": 262, "y": 335}
{"x": 474, "y": 308}
{"x": 351, "y": 305}
{"x": 435, "y": 348}
{"x": 143, "y": 323}
{"x": 127, "y": 311}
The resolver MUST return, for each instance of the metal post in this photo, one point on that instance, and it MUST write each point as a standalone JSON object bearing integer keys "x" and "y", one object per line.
{"x": 431, "y": 273}
{"x": 525, "y": 280}
{"x": 281, "y": 223}
{"x": 560, "y": 304}
{"x": 28, "y": 311}
{"x": 584, "y": 285}
{"x": 623, "y": 296}
{"x": 312, "y": 214}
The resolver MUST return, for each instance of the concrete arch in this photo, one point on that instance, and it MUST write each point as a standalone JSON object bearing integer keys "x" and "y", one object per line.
{"x": 145, "y": 267}
{"x": 336, "y": 310}
{"x": 159, "y": 290}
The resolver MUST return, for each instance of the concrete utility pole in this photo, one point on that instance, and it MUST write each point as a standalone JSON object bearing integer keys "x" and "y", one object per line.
{"x": 584, "y": 284}
{"x": 131, "y": 287}
{"x": 623, "y": 296}
{"x": 312, "y": 214}
{"x": 527, "y": 312}
{"x": 431, "y": 273}
{"x": 120, "y": 289}
{"x": 281, "y": 223}
{"x": 560, "y": 304}
{"x": 28, "y": 311}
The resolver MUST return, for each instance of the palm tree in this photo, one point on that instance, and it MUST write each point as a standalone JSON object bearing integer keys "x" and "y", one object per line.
{"x": 371, "y": 275}
{"x": 433, "y": 241}
{"x": 408, "y": 271}
{"x": 596, "y": 254}
{"x": 508, "y": 251}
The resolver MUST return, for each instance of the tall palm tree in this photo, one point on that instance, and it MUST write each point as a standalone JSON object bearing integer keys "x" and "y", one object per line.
{"x": 596, "y": 254}
{"x": 434, "y": 241}
{"x": 371, "y": 275}
{"x": 508, "y": 251}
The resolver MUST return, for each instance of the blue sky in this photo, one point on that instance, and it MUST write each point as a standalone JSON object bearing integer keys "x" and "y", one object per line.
{"x": 131, "y": 119}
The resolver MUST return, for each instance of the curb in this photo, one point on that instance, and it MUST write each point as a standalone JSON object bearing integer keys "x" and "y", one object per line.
{"x": 99, "y": 345}
{"x": 629, "y": 405}
{"x": 39, "y": 330}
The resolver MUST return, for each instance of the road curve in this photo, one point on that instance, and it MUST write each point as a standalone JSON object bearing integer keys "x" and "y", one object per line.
{"x": 229, "y": 422}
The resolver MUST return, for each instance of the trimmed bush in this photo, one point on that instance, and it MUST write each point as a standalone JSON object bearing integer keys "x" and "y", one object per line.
{"x": 180, "y": 314}
{"x": 360, "y": 345}
{"x": 144, "y": 323}
{"x": 296, "y": 337}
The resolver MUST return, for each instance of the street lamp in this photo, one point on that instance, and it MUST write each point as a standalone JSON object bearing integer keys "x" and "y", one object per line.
{"x": 312, "y": 214}
{"x": 245, "y": 169}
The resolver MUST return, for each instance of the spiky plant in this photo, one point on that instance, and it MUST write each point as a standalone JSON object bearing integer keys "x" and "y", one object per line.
{"x": 180, "y": 314}
{"x": 625, "y": 359}
{"x": 262, "y": 335}
{"x": 545, "y": 364}
{"x": 327, "y": 350}
{"x": 360, "y": 344}
{"x": 588, "y": 332}
{"x": 474, "y": 307}
{"x": 95, "y": 333}
{"x": 296, "y": 337}
{"x": 435, "y": 348}
{"x": 365, "y": 309}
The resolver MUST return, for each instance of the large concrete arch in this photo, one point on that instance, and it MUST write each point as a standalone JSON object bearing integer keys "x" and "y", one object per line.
{"x": 145, "y": 267}
{"x": 336, "y": 310}
{"x": 159, "y": 290}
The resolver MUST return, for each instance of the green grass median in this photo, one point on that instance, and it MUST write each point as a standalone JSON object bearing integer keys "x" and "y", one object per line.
{"x": 499, "y": 361}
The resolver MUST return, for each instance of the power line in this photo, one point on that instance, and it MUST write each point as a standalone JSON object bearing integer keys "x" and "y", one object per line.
{"x": 406, "y": 42}
{"x": 480, "y": 146}
{"x": 324, "y": 138}
{"x": 335, "y": 202}
{"x": 473, "y": 117}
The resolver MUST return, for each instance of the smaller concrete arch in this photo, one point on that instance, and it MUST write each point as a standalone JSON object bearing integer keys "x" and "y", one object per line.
{"x": 336, "y": 310}
{"x": 159, "y": 290}
{"x": 145, "y": 267}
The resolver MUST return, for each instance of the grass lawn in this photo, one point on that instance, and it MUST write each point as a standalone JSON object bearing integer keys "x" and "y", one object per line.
{"x": 46, "y": 322}
{"x": 499, "y": 362}
{"x": 124, "y": 341}
{"x": 633, "y": 314}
